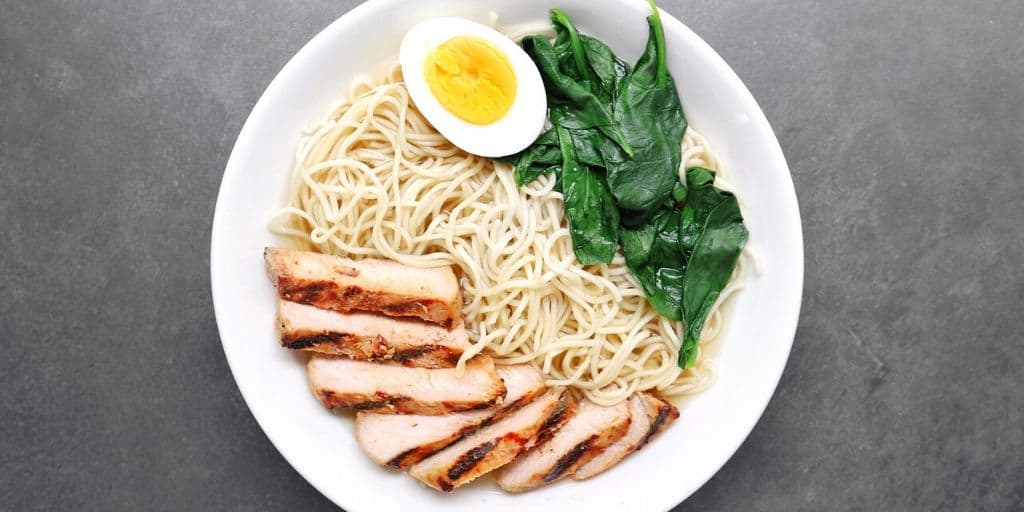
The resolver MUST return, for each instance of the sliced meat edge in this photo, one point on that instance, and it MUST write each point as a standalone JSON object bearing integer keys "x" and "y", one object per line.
{"x": 344, "y": 383}
{"x": 639, "y": 425}
{"x": 401, "y": 440}
{"x": 495, "y": 445}
{"x": 592, "y": 429}
{"x": 370, "y": 337}
{"x": 377, "y": 285}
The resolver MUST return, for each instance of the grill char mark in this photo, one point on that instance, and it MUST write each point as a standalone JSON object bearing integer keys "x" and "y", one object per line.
{"x": 664, "y": 413}
{"x": 433, "y": 352}
{"x": 567, "y": 461}
{"x": 345, "y": 344}
{"x": 371, "y": 405}
{"x": 418, "y": 453}
{"x": 394, "y": 403}
{"x": 470, "y": 459}
{"x": 403, "y": 459}
{"x": 489, "y": 453}
{"x": 414, "y": 455}
{"x": 328, "y": 295}
{"x": 309, "y": 340}
{"x": 565, "y": 408}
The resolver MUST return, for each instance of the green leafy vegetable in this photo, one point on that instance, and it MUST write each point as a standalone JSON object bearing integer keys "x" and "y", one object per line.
{"x": 679, "y": 193}
{"x": 590, "y": 62}
{"x": 568, "y": 44}
{"x": 593, "y": 217}
{"x": 701, "y": 198}
{"x": 659, "y": 41}
{"x": 530, "y": 175}
{"x": 711, "y": 237}
{"x": 545, "y": 156}
{"x": 588, "y": 110}
{"x": 648, "y": 111}
{"x": 608, "y": 70}
{"x": 538, "y": 159}
{"x": 590, "y": 144}
{"x": 615, "y": 151}
{"x": 652, "y": 255}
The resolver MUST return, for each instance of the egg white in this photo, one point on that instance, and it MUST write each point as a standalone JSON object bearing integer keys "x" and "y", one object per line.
{"x": 516, "y": 130}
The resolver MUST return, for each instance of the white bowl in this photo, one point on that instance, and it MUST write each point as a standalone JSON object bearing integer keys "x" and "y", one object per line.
{"x": 321, "y": 446}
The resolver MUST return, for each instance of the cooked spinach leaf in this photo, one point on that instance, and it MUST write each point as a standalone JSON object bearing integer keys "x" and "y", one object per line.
{"x": 636, "y": 246}
{"x": 569, "y": 48}
{"x": 615, "y": 149}
{"x": 545, "y": 156}
{"x": 588, "y": 110}
{"x": 652, "y": 255}
{"x": 701, "y": 198}
{"x": 531, "y": 174}
{"x": 678, "y": 193}
{"x": 591, "y": 145}
{"x": 593, "y": 217}
{"x": 711, "y": 237}
{"x": 538, "y": 159}
{"x": 608, "y": 70}
{"x": 650, "y": 115}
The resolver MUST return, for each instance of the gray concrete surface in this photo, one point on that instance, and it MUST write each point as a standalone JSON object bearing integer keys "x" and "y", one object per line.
{"x": 903, "y": 123}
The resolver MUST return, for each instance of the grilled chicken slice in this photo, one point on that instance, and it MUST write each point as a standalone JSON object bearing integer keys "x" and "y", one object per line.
{"x": 496, "y": 444}
{"x": 661, "y": 414}
{"x": 592, "y": 429}
{"x": 365, "y": 336}
{"x": 381, "y": 286}
{"x": 639, "y": 425}
{"x": 401, "y": 440}
{"x": 339, "y": 382}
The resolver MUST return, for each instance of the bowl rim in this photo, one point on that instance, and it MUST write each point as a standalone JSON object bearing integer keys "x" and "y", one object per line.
{"x": 351, "y": 19}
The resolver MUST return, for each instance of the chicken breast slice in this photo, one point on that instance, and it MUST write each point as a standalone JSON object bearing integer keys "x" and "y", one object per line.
{"x": 496, "y": 444}
{"x": 401, "y": 440}
{"x": 649, "y": 415}
{"x": 639, "y": 424}
{"x": 661, "y": 414}
{"x": 377, "y": 285}
{"x": 339, "y": 382}
{"x": 365, "y": 336}
{"x": 592, "y": 429}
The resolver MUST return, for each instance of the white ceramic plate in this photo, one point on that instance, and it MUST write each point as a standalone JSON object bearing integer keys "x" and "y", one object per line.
{"x": 321, "y": 446}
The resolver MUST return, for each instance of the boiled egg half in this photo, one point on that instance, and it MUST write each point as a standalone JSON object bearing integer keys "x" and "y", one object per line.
{"x": 475, "y": 86}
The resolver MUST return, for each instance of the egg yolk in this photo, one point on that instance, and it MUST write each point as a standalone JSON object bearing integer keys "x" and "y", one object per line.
{"x": 471, "y": 79}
